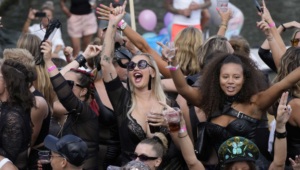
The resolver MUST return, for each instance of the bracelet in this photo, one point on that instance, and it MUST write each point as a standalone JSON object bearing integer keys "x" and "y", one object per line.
{"x": 280, "y": 135}
{"x": 81, "y": 60}
{"x": 120, "y": 23}
{"x": 272, "y": 25}
{"x": 69, "y": 59}
{"x": 51, "y": 68}
{"x": 270, "y": 39}
{"x": 182, "y": 130}
{"x": 224, "y": 26}
{"x": 182, "y": 136}
{"x": 174, "y": 68}
{"x": 284, "y": 28}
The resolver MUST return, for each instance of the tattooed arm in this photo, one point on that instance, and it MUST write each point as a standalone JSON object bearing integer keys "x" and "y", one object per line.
{"x": 108, "y": 70}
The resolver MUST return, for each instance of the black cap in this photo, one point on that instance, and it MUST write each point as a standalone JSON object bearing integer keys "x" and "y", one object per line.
{"x": 117, "y": 3}
{"x": 70, "y": 147}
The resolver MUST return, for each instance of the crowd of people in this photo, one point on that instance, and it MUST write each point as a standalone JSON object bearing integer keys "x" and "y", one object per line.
{"x": 108, "y": 106}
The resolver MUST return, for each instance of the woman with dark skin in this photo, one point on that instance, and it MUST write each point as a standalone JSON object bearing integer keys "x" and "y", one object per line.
{"x": 232, "y": 83}
{"x": 284, "y": 112}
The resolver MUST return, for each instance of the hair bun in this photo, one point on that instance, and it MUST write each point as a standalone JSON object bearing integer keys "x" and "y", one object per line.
{"x": 161, "y": 138}
{"x": 31, "y": 76}
{"x": 48, "y": 5}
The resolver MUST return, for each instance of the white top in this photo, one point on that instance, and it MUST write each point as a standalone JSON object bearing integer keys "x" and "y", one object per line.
{"x": 195, "y": 17}
{"x": 4, "y": 161}
{"x": 56, "y": 40}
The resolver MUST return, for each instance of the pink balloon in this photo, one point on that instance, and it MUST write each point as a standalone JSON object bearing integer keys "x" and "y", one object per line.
{"x": 168, "y": 19}
{"x": 148, "y": 20}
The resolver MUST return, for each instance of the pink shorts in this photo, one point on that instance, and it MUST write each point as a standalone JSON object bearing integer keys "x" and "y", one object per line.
{"x": 82, "y": 25}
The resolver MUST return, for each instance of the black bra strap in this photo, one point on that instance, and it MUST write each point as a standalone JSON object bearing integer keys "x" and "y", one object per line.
{"x": 241, "y": 115}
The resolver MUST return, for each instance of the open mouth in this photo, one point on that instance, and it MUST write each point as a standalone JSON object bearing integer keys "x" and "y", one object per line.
{"x": 230, "y": 89}
{"x": 138, "y": 77}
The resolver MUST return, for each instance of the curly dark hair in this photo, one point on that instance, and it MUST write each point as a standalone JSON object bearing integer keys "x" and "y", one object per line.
{"x": 212, "y": 95}
{"x": 18, "y": 80}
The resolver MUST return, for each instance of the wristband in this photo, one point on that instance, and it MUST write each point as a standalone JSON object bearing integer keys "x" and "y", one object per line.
{"x": 224, "y": 26}
{"x": 81, "y": 60}
{"x": 182, "y": 130}
{"x": 69, "y": 59}
{"x": 174, "y": 68}
{"x": 272, "y": 25}
{"x": 51, "y": 68}
{"x": 120, "y": 23}
{"x": 270, "y": 39}
{"x": 280, "y": 135}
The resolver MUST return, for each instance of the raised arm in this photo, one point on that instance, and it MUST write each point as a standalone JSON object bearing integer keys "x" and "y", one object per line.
{"x": 31, "y": 16}
{"x": 266, "y": 16}
{"x": 186, "y": 146}
{"x": 280, "y": 149}
{"x": 64, "y": 8}
{"x": 189, "y": 93}
{"x": 61, "y": 87}
{"x": 276, "y": 51}
{"x": 266, "y": 98}
{"x": 139, "y": 42}
{"x": 225, "y": 17}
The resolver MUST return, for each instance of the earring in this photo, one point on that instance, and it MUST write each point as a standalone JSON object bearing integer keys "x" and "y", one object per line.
{"x": 149, "y": 84}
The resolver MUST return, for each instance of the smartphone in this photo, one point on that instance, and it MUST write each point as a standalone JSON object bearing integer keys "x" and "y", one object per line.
{"x": 40, "y": 15}
{"x": 258, "y": 6}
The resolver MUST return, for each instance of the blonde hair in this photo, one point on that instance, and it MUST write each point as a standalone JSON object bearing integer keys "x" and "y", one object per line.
{"x": 212, "y": 44}
{"x": 157, "y": 87}
{"x": 20, "y": 55}
{"x": 188, "y": 41}
{"x": 42, "y": 84}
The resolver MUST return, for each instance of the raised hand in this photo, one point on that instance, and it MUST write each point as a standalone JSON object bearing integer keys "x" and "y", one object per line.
{"x": 225, "y": 16}
{"x": 68, "y": 52}
{"x": 110, "y": 13}
{"x": 295, "y": 163}
{"x": 166, "y": 50}
{"x": 156, "y": 117}
{"x": 266, "y": 16}
{"x": 91, "y": 51}
{"x": 46, "y": 48}
{"x": 31, "y": 14}
{"x": 264, "y": 26}
{"x": 284, "y": 111}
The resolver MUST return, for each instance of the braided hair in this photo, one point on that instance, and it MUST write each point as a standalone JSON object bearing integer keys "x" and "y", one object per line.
{"x": 87, "y": 81}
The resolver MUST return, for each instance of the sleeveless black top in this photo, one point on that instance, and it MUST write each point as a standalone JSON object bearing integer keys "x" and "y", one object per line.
{"x": 33, "y": 156}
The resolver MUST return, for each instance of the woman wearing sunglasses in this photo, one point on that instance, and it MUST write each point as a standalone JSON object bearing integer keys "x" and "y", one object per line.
{"x": 151, "y": 150}
{"x": 139, "y": 103}
{"x": 75, "y": 92}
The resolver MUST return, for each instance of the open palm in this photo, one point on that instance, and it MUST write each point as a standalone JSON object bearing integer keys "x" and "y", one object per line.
{"x": 114, "y": 15}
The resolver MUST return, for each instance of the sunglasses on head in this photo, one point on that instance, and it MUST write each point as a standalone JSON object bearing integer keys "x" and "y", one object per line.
{"x": 142, "y": 64}
{"x": 142, "y": 157}
{"x": 294, "y": 42}
{"x": 72, "y": 83}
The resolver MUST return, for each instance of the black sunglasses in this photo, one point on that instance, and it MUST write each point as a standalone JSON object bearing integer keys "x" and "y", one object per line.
{"x": 72, "y": 83}
{"x": 142, "y": 64}
{"x": 142, "y": 157}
